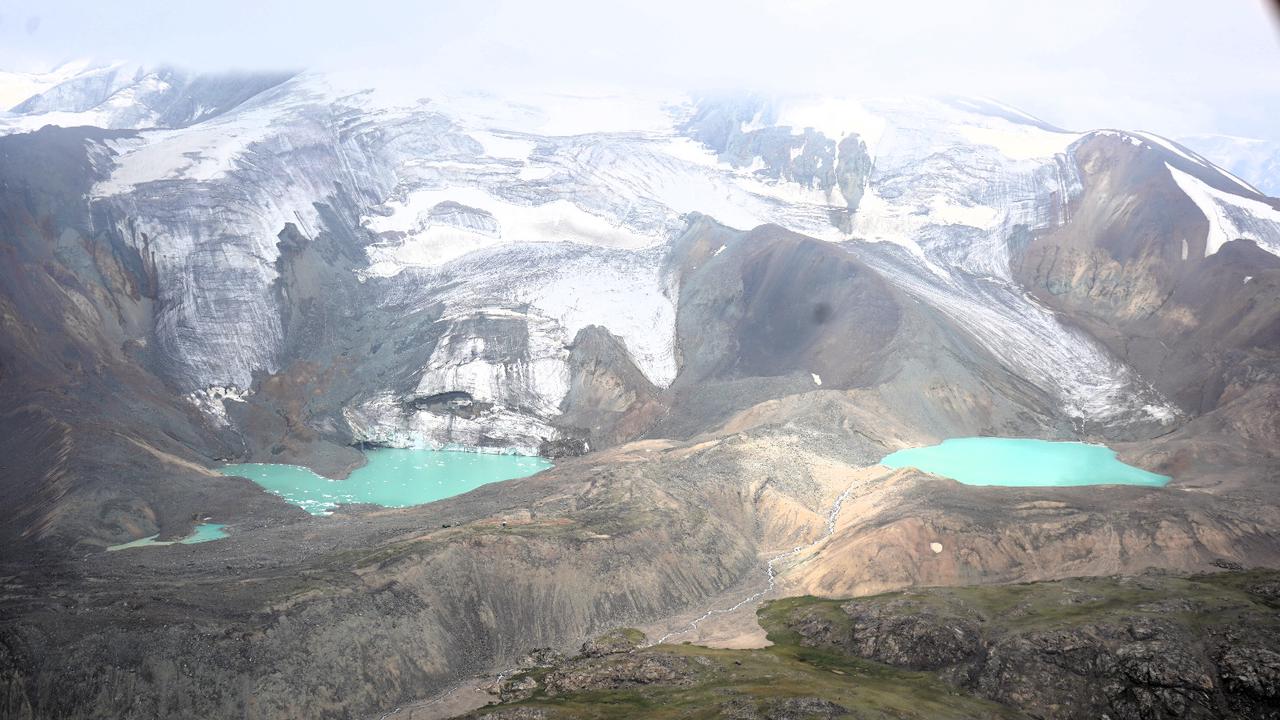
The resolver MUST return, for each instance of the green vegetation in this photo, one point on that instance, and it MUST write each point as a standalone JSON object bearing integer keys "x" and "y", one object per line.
{"x": 812, "y": 669}
{"x": 1218, "y": 599}
{"x": 715, "y": 683}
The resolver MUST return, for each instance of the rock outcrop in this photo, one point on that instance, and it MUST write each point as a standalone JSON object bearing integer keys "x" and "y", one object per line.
{"x": 1135, "y": 648}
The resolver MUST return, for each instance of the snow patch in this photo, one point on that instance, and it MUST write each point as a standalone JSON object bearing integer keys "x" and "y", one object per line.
{"x": 530, "y": 173}
{"x": 757, "y": 123}
{"x": 627, "y": 299}
{"x": 203, "y": 152}
{"x": 209, "y": 400}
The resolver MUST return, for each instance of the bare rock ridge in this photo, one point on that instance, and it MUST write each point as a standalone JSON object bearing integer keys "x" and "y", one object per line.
{"x": 609, "y": 399}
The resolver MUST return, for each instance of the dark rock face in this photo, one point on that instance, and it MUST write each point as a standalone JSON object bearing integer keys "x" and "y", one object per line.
{"x": 801, "y": 155}
{"x": 795, "y": 708}
{"x": 1253, "y": 673}
{"x": 853, "y": 167}
{"x": 541, "y": 657}
{"x": 1268, "y": 592}
{"x": 609, "y": 662}
{"x": 432, "y": 594}
{"x": 804, "y": 708}
{"x": 517, "y": 689}
{"x": 614, "y": 674}
{"x": 562, "y": 448}
{"x": 95, "y": 445}
{"x": 609, "y": 399}
{"x": 776, "y": 302}
{"x": 920, "y": 641}
{"x": 613, "y": 643}
{"x": 451, "y": 402}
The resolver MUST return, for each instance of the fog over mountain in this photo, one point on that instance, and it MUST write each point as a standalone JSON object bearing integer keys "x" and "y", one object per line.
{"x": 647, "y": 360}
{"x": 1171, "y": 67}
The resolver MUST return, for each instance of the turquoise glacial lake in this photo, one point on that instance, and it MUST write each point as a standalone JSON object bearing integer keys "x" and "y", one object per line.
{"x": 390, "y": 478}
{"x": 204, "y": 532}
{"x": 1020, "y": 462}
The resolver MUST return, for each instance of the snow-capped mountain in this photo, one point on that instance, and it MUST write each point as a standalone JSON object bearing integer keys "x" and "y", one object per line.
{"x": 16, "y": 87}
{"x": 516, "y": 223}
{"x": 121, "y": 96}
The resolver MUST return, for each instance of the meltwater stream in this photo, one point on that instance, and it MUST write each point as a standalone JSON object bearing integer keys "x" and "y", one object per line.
{"x": 771, "y": 573}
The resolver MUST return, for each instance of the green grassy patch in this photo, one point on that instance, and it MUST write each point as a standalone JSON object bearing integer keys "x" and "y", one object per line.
{"x": 721, "y": 679}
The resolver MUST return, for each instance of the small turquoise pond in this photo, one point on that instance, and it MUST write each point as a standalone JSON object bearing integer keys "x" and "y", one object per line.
{"x": 1023, "y": 462}
{"x": 204, "y": 532}
{"x": 390, "y": 478}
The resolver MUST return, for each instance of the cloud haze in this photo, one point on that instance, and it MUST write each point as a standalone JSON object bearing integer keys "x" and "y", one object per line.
{"x": 1176, "y": 67}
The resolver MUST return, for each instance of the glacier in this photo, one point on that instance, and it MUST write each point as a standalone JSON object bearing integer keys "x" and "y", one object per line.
{"x": 559, "y": 211}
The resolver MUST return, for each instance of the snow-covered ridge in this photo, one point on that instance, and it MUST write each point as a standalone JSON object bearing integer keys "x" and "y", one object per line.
{"x": 1198, "y": 160}
{"x": 1230, "y": 216}
{"x": 16, "y": 87}
{"x": 1151, "y": 140}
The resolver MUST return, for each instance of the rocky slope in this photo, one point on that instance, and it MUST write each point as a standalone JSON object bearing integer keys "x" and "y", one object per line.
{"x": 1179, "y": 285}
{"x": 1132, "y": 647}
{"x": 1151, "y": 646}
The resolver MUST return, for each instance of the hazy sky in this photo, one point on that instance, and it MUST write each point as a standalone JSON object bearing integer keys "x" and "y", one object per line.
{"x": 1172, "y": 66}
